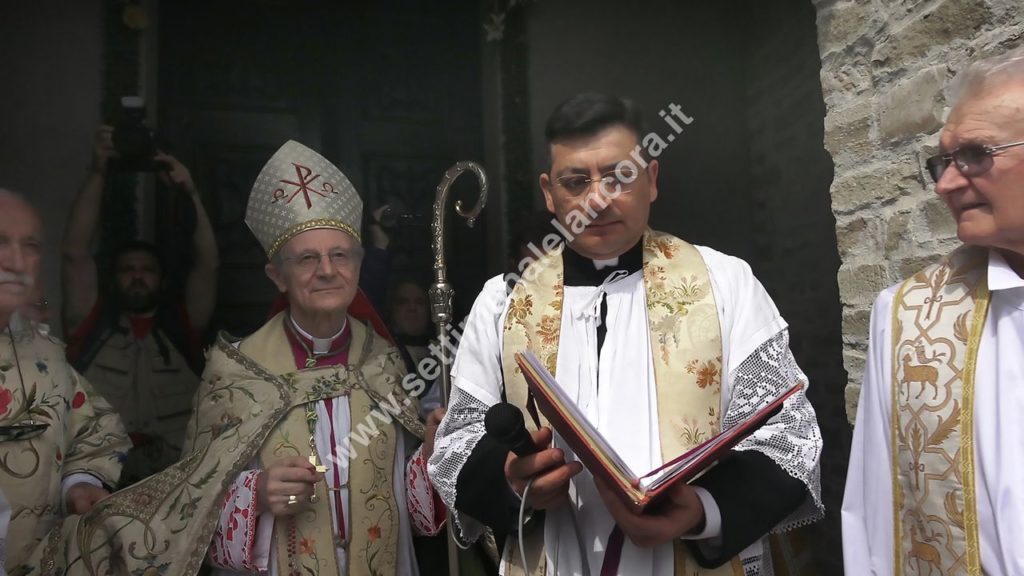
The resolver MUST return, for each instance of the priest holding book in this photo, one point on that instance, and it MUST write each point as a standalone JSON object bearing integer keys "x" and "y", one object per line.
{"x": 660, "y": 345}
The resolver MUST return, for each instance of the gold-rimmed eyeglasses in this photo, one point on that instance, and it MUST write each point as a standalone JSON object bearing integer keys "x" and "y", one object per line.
{"x": 620, "y": 180}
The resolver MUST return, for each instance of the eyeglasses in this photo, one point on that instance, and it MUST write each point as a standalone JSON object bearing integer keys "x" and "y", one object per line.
{"x": 971, "y": 159}
{"x": 576, "y": 184}
{"x": 309, "y": 261}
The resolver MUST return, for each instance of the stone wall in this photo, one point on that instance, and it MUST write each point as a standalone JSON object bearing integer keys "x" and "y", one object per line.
{"x": 884, "y": 67}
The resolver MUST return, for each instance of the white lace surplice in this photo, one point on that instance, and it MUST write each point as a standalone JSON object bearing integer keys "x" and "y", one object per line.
{"x": 617, "y": 393}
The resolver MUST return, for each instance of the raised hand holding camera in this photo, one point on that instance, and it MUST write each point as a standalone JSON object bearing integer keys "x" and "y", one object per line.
{"x": 103, "y": 149}
{"x": 175, "y": 174}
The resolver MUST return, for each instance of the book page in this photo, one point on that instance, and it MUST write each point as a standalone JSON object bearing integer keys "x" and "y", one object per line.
{"x": 661, "y": 475}
{"x": 568, "y": 406}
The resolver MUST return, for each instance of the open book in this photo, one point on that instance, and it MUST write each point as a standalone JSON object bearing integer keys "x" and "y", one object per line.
{"x": 597, "y": 455}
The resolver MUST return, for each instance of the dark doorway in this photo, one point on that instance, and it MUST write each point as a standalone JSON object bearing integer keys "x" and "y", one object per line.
{"x": 391, "y": 96}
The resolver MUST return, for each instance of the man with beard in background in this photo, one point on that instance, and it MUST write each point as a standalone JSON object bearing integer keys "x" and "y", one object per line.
{"x": 137, "y": 342}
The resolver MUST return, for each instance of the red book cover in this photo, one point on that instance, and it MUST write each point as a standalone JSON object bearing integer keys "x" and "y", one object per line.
{"x": 601, "y": 460}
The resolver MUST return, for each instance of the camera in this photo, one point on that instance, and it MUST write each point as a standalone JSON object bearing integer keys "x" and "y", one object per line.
{"x": 134, "y": 142}
{"x": 391, "y": 219}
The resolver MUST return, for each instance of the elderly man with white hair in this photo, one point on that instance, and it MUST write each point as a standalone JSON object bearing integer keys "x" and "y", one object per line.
{"x": 936, "y": 478}
{"x": 61, "y": 444}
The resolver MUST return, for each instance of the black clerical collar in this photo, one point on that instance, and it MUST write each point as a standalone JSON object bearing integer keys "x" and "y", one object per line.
{"x": 582, "y": 271}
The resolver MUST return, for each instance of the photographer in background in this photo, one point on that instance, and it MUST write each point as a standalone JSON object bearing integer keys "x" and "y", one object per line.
{"x": 139, "y": 345}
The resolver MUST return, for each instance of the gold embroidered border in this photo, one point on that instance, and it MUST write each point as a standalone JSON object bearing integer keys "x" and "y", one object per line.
{"x": 894, "y": 444}
{"x": 967, "y": 430}
{"x": 310, "y": 225}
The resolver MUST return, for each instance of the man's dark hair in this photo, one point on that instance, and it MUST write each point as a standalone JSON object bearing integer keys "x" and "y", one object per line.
{"x": 138, "y": 246}
{"x": 588, "y": 113}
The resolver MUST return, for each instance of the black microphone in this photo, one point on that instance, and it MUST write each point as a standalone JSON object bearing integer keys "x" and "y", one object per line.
{"x": 504, "y": 423}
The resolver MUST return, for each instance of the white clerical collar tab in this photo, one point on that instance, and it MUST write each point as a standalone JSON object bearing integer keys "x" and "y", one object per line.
{"x": 320, "y": 345}
{"x": 602, "y": 264}
{"x": 1000, "y": 275}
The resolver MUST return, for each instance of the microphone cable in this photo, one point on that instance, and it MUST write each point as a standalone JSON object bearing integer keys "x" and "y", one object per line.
{"x": 584, "y": 558}
{"x": 522, "y": 515}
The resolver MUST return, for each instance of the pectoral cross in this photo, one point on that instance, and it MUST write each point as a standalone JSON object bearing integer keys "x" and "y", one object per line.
{"x": 315, "y": 461}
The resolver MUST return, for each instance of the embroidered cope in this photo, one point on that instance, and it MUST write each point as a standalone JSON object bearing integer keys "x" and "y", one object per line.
{"x": 85, "y": 441}
{"x": 242, "y": 542}
{"x": 249, "y": 409}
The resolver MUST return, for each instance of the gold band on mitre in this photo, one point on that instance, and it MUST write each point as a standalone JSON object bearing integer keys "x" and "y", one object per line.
{"x": 299, "y": 190}
{"x": 311, "y": 225}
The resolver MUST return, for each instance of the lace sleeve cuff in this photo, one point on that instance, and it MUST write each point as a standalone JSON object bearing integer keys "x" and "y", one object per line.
{"x": 791, "y": 439}
{"x": 236, "y": 543}
{"x": 457, "y": 436}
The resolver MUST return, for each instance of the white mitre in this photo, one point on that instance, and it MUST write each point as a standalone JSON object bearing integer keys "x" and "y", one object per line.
{"x": 299, "y": 190}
